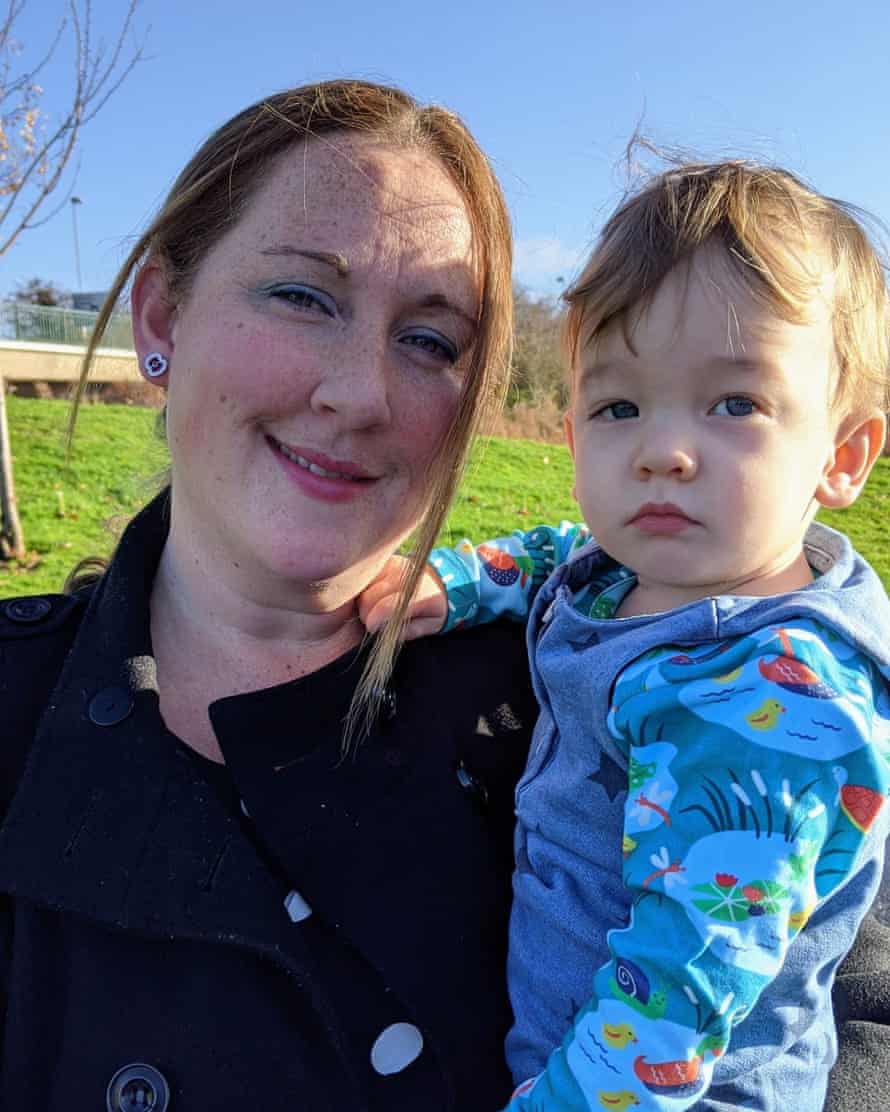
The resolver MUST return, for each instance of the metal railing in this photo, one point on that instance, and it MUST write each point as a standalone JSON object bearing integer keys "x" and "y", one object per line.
{"x": 46, "y": 324}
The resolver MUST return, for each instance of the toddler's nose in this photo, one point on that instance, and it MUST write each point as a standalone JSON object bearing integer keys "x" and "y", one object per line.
{"x": 670, "y": 457}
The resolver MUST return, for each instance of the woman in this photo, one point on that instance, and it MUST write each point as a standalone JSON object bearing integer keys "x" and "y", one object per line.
{"x": 207, "y": 902}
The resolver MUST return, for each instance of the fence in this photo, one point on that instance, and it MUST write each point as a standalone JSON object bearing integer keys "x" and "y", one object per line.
{"x": 45, "y": 324}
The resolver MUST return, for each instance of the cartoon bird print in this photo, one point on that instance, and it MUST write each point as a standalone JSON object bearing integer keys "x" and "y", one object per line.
{"x": 619, "y": 1034}
{"x": 621, "y": 1099}
{"x": 628, "y": 845}
{"x": 788, "y": 673}
{"x": 766, "y": 717}
{"x": 502, "y": 568}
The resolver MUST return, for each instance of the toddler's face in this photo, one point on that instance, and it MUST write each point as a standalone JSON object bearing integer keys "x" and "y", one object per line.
{"x": 699, "y": 457}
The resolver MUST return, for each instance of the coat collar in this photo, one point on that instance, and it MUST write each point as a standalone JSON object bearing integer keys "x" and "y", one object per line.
{"x": 115, "y": 821}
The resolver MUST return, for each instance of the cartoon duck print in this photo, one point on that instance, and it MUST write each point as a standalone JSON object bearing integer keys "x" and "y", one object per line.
{"x": 766, "y": 716}
{"x": 621, "y": 1099}
{"x": 502, "y": 568}
{"x": 791, "y": 675}
{"x": 619, "y": 1034}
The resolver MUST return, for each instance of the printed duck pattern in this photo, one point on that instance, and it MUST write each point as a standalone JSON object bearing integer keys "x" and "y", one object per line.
{"x": 757, "y": 768}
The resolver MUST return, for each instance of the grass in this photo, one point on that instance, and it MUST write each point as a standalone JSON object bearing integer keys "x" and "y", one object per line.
{"x": 74, "y": 509}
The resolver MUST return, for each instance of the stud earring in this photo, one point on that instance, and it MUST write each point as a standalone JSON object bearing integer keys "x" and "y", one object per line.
{"x": 155, "y": 364}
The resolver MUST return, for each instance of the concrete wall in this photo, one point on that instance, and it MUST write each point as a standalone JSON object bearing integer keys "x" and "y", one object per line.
{"x": 31, "y": 362}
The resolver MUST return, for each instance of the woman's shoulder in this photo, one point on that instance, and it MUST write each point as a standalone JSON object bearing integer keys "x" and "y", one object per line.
{"x": 36, "y": 632}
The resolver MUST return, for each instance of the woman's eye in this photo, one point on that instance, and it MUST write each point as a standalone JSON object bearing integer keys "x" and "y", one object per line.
{"x": 305, "y": 297}
{"x": 736, "y": 405}
{"x": 617, "y": 411}
{"x": 434, "y": 343}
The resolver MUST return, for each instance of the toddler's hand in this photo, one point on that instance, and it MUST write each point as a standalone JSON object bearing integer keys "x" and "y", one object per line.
{"x": 428, "y": 608}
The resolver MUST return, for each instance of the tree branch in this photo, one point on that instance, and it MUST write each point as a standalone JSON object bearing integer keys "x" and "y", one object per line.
{"x": 97, "y": 74}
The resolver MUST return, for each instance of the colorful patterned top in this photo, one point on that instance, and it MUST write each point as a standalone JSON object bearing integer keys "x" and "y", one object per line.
{"x": 757, "y": 767}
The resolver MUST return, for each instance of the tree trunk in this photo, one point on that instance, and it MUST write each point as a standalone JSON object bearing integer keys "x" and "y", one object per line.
{"x": 12, "y": 543}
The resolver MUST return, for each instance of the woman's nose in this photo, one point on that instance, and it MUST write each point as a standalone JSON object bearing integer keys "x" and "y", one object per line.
{"x": 354, "y": 384}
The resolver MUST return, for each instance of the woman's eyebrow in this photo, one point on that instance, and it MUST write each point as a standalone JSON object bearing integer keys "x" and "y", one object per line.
{"x": 440, "y": 301}
{"x": 335, "y": 259}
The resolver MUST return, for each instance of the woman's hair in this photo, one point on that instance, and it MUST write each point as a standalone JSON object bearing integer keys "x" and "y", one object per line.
{"x": 779, "y": 236}
{"x": 210, "y": 196}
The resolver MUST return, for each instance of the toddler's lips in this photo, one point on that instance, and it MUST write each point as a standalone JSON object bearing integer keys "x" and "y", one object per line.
{"x": 661, "y": 517}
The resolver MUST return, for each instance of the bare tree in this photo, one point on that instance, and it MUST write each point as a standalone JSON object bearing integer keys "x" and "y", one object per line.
{"x": 538, "y": 371}
{"x": 36, "y": 148}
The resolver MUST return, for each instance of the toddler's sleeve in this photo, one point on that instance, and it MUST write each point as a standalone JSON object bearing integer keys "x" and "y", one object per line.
{"x": 501, "y": 577}
{"x": 758, "y": 777}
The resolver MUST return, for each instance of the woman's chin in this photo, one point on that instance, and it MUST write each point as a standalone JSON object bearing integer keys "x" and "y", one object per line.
{"x": 339, "y": 569}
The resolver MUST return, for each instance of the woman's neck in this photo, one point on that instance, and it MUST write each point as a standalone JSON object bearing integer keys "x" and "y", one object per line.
{"x": 216, "y": 633}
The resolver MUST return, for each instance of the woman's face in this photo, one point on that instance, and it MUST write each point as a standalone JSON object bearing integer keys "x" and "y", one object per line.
{"x": 316, "y": 364}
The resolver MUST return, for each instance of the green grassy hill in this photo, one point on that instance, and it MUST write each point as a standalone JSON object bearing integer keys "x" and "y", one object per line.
{"x": 76, "y": 509}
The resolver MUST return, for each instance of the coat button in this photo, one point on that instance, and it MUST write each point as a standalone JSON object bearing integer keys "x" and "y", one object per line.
{"x": 296, "y": 907}
{"x": 138, "y": 1086}
{"x": 395, "y": 1048}
{"x": 27, "y": 610}
{"x": 471, "y": 784}
{"x": 110, "y": 706}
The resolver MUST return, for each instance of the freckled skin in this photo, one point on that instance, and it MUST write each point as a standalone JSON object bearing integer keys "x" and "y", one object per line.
{"x": 353, "y": 375}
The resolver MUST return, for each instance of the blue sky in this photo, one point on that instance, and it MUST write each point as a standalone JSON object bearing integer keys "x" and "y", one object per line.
{"x": 552, "y": 92}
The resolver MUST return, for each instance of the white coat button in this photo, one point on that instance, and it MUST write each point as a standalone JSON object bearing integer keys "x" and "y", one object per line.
{"x": 396, "y": 1048}
{"x": 296, "y": 906}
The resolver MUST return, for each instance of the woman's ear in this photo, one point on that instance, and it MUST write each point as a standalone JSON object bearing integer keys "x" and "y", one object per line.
{"x": 859, "y": 443}
{"x": 153, "y": 320}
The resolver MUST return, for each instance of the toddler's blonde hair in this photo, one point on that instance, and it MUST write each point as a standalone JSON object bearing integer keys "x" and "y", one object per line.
{"x": 781, "y": 238}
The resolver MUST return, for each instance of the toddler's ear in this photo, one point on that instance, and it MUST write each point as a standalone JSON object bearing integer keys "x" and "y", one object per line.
{"x": 569, "y": 426}
{"x": 859, "y": 443}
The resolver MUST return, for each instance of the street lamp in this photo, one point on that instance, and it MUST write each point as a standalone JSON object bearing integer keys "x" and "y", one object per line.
{"x": 75, "y": 201}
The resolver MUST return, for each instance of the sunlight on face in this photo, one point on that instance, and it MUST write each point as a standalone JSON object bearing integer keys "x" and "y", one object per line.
{"x": 317, "y": 360}
{"x": 699, "y": 455}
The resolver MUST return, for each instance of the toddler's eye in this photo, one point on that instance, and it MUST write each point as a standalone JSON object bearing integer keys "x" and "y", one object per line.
{"x": 736, "y": 405}
{"x": 433, "y": 343}
{"x": 617, "y": 411}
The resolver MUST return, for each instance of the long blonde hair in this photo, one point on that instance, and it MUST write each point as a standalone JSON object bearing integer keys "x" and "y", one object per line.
{"x": 209, "y": 197}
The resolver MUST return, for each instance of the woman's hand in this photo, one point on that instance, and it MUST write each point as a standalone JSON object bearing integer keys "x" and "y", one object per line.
{"x": 428, "y": 608}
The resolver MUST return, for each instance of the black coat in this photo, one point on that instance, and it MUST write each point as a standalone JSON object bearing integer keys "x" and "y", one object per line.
{"x": 142, "y": 916}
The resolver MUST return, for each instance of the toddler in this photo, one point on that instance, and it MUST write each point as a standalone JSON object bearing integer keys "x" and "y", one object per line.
{"x": 702, "y": 819}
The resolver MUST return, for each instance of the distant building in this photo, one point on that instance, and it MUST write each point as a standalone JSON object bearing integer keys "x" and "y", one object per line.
{"x": 90, "y": 301}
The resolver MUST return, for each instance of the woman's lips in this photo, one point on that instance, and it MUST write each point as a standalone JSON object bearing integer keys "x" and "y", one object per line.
{"x": 319, "y": 476}
{"x": 661, "y": 518}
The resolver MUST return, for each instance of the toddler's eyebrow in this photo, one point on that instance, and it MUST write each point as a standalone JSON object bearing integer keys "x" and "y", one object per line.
{"x": 597, "y": 370}
{"x": 600, "y": 370}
